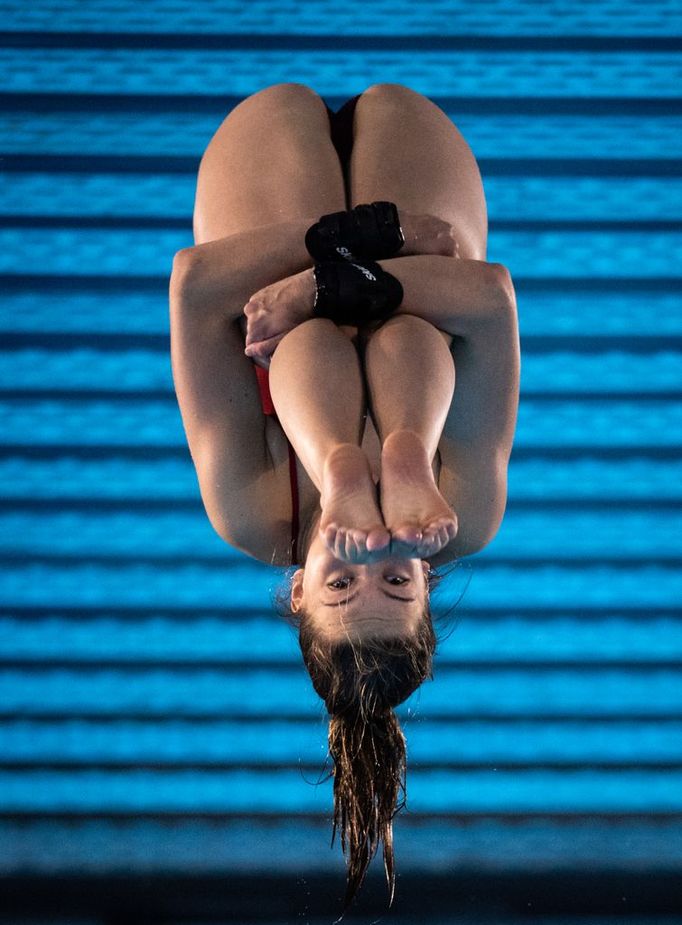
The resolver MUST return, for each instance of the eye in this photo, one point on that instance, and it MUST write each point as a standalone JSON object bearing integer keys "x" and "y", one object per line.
{"x": 337, "y": 585}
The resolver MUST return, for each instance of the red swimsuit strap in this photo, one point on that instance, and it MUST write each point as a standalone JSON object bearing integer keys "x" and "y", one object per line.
{"x": 263, "y": 377}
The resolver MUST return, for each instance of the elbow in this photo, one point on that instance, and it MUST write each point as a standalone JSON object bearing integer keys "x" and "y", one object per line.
{"x": 503, "y": 287}
{"x": 491, "y": 511}
{"x": 182, "y": 273}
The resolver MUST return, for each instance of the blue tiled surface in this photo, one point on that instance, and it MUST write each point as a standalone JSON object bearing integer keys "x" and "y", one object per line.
{"x": 480, "y": 73}
{"x": 154, "y": 713}
{"x": 488, "y": 18}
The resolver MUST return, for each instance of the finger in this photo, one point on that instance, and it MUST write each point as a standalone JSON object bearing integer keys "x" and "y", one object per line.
{"x": 255, "y": 334}
{"x": 263, "y": 349}
{"x": 263, "y": 362}
{"x": 268, "y": 344}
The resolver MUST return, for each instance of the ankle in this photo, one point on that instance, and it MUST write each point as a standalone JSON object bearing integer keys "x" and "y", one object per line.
{"x": 407, "y": 445}
{"x": 342, "y": 450}
{"x": 339, "y": 455}
{"x": 404, "y": 435}
{"x": 343, "y": 461}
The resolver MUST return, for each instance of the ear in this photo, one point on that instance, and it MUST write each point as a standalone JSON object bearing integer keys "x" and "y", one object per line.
{"x": 297, "y": 590}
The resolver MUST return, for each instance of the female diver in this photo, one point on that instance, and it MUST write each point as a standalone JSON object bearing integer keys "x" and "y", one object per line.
{"x": 275, "y": 372}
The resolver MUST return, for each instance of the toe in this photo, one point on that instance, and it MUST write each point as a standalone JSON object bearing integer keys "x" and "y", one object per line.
{"x": 409, "y": 534}
{"x": 378, "y": 539}
{"x": 442, "y": 538}
{"x": 328, "y": 536}
{"x": 339, "y": 543}
{"x": 346, "y": 547}
{"x": 357, "y": 545}
{"x": 436, "y": 538}
{"x": 430, "y": 543}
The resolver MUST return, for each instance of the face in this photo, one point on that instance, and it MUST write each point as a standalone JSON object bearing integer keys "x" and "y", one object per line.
{"x": 379, "y": 598}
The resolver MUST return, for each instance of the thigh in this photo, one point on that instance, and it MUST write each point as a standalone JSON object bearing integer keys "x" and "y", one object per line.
{"x": 408, "y": 151}
{"x": 271, "y": 160}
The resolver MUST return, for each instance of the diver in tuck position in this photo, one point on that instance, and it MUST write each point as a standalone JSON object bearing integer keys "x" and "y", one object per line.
{"x": 339, "y": 269}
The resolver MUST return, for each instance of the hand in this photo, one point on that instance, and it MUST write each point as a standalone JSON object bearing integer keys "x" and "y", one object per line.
{"x": 427, "y": 234}
{"x": 274, "y": 311}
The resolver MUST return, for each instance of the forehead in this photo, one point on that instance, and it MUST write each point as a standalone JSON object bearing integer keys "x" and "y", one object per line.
{"x": 339, "y": 622}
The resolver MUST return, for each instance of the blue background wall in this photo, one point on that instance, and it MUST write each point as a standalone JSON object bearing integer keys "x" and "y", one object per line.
{"x": 155, "y": 717}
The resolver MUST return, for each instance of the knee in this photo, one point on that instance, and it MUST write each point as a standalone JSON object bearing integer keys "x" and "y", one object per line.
{"x": 287, "y": 94}
{"x": 314, "y": 338}
{"x": 403, "y": 327}
{"x": 313, "y": 330}
{"x": 406, "y": 322}
{"x": 391, "y": 92}
{"x": 282, "y": 104}
{"x": 312, "y": 327}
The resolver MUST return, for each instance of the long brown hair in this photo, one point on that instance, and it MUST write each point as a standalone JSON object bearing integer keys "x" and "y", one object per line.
{"x": 360, "y": 683}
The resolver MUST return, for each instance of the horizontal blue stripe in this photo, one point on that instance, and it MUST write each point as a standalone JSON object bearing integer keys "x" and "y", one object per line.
{"x": 86, "y": 369}
{"x": 504, "y": 843}
{"x": 612, "y": 534}
{"x": 415, "y": 43}
{"x": 198, "y": 585}
{"x": 127, "y": 481}
{"x": 456, "y": 691}
{"x": 269, "y": 743}
{"x": 285, "y": 791}
{"x": 477, "y": 73}
{"x": 642, "y": 638}
{"x": 492, "y": 17}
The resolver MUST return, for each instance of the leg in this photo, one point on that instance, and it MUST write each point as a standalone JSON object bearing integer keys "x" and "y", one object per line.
{"x": 410, "y": 410}
{"x": 271, "y": 160}
{"x": 317, "y": 386}
{"x": 408, "y": 151}
{"x": 411, "y": 401}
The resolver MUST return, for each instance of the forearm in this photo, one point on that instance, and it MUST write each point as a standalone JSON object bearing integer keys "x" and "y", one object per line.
{"x": 451, "y": 293}
{"x": 221, "y": 276}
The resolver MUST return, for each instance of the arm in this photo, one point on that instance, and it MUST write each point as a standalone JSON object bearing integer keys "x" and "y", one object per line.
{"x": 474, "y": 303}
{"x": 455, "y": 296}
{"x": 245, "y": 497}
{"x": 221, "y": 275}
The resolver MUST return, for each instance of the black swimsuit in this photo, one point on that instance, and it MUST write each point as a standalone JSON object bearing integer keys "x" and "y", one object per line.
{"x": 341, "y": 124}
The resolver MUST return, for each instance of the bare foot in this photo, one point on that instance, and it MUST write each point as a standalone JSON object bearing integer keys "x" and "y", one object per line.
{"x": 351, "y": 525}
{"x": 419, "y": 518}
{"x": 274, "y": 311}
